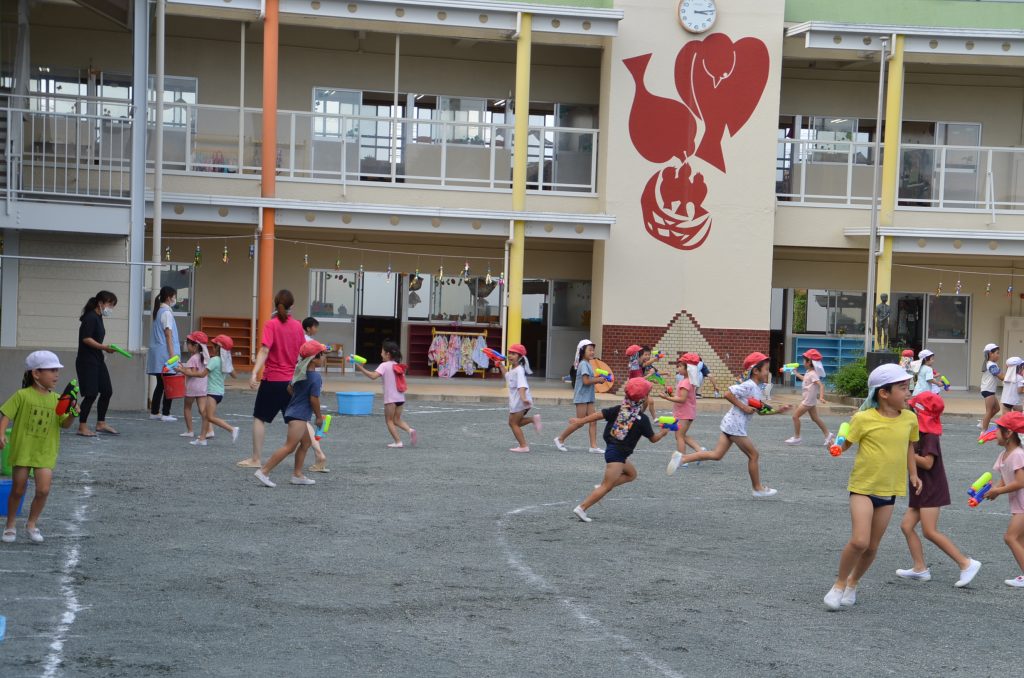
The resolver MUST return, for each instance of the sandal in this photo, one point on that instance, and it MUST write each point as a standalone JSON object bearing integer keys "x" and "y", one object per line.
{"x": 10, "y": 535}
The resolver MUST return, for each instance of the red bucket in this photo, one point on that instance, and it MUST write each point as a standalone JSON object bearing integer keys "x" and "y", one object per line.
{"x": 174, "y": 386}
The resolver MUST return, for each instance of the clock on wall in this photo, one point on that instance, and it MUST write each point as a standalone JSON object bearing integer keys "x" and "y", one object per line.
{"x": 697, "y": 16}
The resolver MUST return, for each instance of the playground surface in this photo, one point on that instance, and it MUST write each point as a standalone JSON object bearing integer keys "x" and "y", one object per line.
{"x": 458, "y": 558}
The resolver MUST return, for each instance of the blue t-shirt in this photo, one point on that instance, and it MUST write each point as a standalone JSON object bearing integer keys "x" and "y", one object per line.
{"x": 299, "y": 407}
{"x": 581, "y": 392}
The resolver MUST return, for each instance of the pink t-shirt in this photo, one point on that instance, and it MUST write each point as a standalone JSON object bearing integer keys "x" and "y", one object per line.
{"x": 283, "y": 339}
{"x": 195, "y": 387}
{"x": 386, "y": 370}
{"x": 687, "y": 410}
{"x": 811, "y": 388}
{"x": 1007, "y": 464}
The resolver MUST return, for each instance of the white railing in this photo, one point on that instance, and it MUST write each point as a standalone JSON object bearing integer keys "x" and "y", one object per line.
{"x": 347, "y": 148}
{"x": 64, "y": 155}
{"x": 930, "y": 176}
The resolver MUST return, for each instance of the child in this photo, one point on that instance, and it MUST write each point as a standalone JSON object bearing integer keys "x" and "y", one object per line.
{"x": 303, "y": 406}
{"x": 1013, "y": 384}
{"x": 310, "y": 327}
{"x": 704, "y": 373}
{"x": 925, "y": 506}
{"x": 635, "y": 359}
{"x": 35, "y": 440}
{"x": 734, "y": 423}
{"x": 626, "y": 423}
{"x": 684, "y": 409}
{"x": 196, "y": 383}
{"x": 216, "y": 368}
{"x": 519, "y": 398}
{"x": 1010, "y": 465}
{"x": 813, "y": 393}
{"x": 583, "y": 395}
{"x": 393, "y": 374}
{"x": 885, "y": 432}
{"x": 990, "y": 377}
{"x": 926, "y": 380}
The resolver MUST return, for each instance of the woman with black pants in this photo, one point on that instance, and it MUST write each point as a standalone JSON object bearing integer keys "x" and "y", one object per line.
{"x": 93, "y": 378}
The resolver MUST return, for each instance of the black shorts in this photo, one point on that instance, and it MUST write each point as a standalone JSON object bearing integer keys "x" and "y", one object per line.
{"x": 271, "y": 398}
{"x": 217, "y": 397}
{"x": 878, "y": 502}
{"x": 93, "y": 378}
{"x": 617, "y": 455}
{"x": 986, "y": 394}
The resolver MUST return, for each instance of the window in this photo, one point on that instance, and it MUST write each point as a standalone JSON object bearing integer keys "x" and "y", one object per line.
{"x": 378, "y": 294}
{"x": 571, "y": 304}
{"x": 470, "y": 300}
{"x": 332, "y": 295}
{"x": 180, "y": 92}
{"x": 828, "y": 312}
{"x": 333, "y": 104}
{"x": 419, "y": 301}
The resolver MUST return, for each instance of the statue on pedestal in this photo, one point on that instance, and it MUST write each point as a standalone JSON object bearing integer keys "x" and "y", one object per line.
{"x": 882, "y": 313}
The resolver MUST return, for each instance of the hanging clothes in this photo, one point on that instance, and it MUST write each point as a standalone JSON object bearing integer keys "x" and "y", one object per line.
{"x": 453, "y": 358}
{"x": 479, "y": 357}
{"x": 468, "y": 364}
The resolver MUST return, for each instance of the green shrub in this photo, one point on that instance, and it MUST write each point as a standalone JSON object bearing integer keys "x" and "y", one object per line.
{"x": 851, "y": 379}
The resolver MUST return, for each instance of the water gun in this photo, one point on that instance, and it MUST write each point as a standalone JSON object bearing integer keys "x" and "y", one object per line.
{"x": 837, "y": 447}
{"x": 669, "y": 422}
{"x": 762, "y": 408}
{"x": 493, "y": 355}
{"x": 658, "y": 354}
{"x": 172, "y": 364}
{"x": 604, "y": 373}
{"x": 789, "y": 367}
{"x": 945, "y": 382}
{"x": 988, "y": 435}
{"x": 68, "y": 401}
{"x": 325, "y": 428}
{"x": 118, "y": 349}
{"x": 353, "y": 358}
{"x": 979, "y": 488}
{"x": 655, "y": 378}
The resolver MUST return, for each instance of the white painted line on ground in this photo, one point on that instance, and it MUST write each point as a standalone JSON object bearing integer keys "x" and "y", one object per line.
{"x": 55, "y": 658}
{"x": 578, "y": 610}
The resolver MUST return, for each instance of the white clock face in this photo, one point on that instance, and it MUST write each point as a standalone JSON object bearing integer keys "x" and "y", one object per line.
{"x": 697, "y": 16}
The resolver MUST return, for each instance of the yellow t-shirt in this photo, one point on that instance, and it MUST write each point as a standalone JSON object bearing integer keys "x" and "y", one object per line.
{"x": 881, "y": 464}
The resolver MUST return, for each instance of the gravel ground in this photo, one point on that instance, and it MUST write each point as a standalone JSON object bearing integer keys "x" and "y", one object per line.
{"x": 460, "y": 559}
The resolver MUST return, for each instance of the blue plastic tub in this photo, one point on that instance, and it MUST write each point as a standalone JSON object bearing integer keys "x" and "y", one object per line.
{"x": 5, "y": 492}
{"x": 355, "y": 403}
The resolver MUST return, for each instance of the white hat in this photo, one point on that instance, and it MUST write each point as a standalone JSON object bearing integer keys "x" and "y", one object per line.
{"x": 925, "y": 354}
{"x": 42, "y": 360}
{"x": 889, "y": 373}
{"x": 991, "y": 347}
{"x": 1014, "y": 361}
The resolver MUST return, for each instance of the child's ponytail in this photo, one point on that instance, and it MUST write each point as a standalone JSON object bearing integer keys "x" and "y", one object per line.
{"x": 28, "y": 379}
{"x": 391, "y": 348}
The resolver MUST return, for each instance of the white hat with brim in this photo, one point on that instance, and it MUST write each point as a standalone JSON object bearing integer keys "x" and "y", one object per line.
{"x": 890, "y": 373}
{"x": 1014, "y": 361}
{"x": 991, "y": 347}
{"x": 42, "y": 360}
{"x": 925, "y": 354}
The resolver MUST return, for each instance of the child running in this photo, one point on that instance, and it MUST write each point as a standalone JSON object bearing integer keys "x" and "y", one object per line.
{"x": 925, "y": 506}
{"x": 885, "y": 433}
{"x": 519, "y": 398}
{"x": 35, "y": 438}
{"x": 392, "y": 374}
{"x": 991, "y": 375}
{"x": 926, "y": 379}
{"x": 813, "y": 393}
{"x": 734, "y": 423}
{"x": 303, "y": 406}
{"x": 624, "y": 426}
{"x": 1010, "y": 465}
{"x": 684, "y": 409}
{"x": 1013, "y": 384}
{"x": 196, "y": 383}
{"x": 310, "y": 327}
{"x": 583, "y": 395}
{"x": 217, "y": 366}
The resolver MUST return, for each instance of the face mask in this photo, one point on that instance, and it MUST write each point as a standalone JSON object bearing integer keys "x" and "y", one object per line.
{"x": 107, "y": 312}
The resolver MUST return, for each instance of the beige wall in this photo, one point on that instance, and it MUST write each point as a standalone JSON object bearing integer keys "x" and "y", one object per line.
{"x": 724, "y": 282}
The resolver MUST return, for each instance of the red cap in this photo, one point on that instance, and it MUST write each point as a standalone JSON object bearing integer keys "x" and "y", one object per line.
{"x": 812, "y": 354}
{"x": 633, "y": 349}
{"x": 1011, "y": 420}
{"x": 753, "y": 359}
{"x": 311, "y": 348}
{"x": 198, "y": 337}
{"x": 224, "y": 341}
{"x": 689, "y": 358}
{"x": 928, "y": 407}
{"x": 908, "y": 353}
{"x": 637, "y": 388}
{"x": 517, "y": 348}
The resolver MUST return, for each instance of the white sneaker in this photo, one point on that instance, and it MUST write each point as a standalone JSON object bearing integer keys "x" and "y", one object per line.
{"x": 35, "y": 535}
{"x": 154, "y": 416}
{"x": 766, "y": 492}
{"x": 260, "y": 476}
{"x": 234, "y": 434}
{"x": 793, "y": 440}
{"x": 979, "y": 424}
{"x": 187, "y": 434}
{"x": 582, "y": 515}
{"x": 828, "y": 439}
{"x": 834, "y": 598}
{"x": 302, "y": 481}
{"x": 673, "y": 463}
{"x": 560, "y": 445}
{"x": 915, "y": 575}
{"x": 9, "y": 536}
{"x": 849, "y": 598}
{"x": 597, "y": 450}
{"x": 1017, "y": 583}
{"x": 168, "y": 417}
{"x": 967, "y": 575}
{"x": 198, "y": 442}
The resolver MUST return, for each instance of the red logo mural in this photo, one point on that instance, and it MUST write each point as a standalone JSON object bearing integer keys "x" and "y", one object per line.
{"x": 719, "y": 83}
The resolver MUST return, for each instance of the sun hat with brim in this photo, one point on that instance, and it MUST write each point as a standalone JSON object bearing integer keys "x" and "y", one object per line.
{"x": 908, "y": 353}
{"x": 925, "y": 354}
{"x": 633, "y": 348}
{"x": 689, "y": 359}
{"x": 991, "y": 347}
{"x": 224, "y": 341}
{"x": 929, "y": 408}
{"x": 637, "y": 388}
{"x": 812, "y": 354}
{"x": 311, "y": 348}
{"x": 889, "y": 373}
{"x": 198, "y": 337}
{"x": 1012, "y": 421}
{"x": 517, "y": 348}
{"x": 1014, "y": 361}
{"x": 753, "y": 359}
{"x": 42, "y": 360}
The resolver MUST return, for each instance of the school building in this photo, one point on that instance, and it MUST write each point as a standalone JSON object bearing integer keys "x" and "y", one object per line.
{"x": 693, "y": 174}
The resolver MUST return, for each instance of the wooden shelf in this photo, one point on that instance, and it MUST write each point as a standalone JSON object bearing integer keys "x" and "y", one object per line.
{"x": 240, "y": 331}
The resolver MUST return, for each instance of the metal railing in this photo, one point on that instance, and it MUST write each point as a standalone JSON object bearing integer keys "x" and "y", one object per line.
{"x": 349, "y": 148}
{"x": 930, "y": 176}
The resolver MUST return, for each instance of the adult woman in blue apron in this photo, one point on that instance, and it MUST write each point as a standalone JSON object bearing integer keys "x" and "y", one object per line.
{"x": 163, "y": 343}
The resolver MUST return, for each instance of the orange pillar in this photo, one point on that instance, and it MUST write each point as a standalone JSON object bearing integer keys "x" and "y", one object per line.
{"x": 268, "y": 173}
